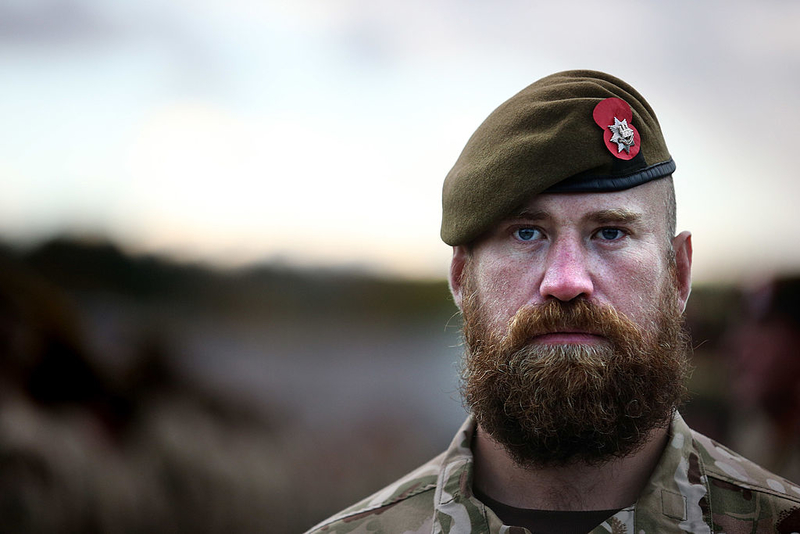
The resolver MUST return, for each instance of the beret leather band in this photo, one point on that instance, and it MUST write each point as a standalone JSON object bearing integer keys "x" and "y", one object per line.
{"x": 605, "y": 184}
{"x": 573, "y": 131}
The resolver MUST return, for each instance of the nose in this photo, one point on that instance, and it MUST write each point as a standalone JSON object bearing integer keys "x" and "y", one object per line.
{"x": 566, "y": 275}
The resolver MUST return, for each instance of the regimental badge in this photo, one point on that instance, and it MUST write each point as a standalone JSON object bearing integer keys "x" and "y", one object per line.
{"x": 621, "y": 138}
{"x": 623, "y": 135}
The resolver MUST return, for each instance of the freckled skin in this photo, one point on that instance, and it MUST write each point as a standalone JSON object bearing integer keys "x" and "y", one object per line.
{"x": 571, "y": 253}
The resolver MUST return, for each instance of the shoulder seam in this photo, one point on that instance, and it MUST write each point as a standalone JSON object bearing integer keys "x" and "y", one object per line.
{"x": 384, "y": 504}
{"x": 753, "y": 487}
{"x": 712, "y": 471}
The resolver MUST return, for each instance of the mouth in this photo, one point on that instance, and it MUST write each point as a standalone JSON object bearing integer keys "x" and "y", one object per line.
{"x": 569, "y": 337}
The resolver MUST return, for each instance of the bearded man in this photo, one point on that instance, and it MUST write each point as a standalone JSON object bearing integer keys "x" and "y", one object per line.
{"x": 572, "y": 284}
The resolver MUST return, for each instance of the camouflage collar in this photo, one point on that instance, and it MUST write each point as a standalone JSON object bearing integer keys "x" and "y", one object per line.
{"x": 675, "y": 498}
{"x": 696, "y": 480}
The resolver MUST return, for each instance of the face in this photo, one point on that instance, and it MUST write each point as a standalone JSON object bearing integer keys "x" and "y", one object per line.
{"x": 572, "y": 321}
{"x": 609, "y": 248}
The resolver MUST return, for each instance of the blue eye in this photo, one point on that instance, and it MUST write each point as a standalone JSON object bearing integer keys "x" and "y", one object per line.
{"x": 527, "y": 234}
{"x": 611, "y": 234}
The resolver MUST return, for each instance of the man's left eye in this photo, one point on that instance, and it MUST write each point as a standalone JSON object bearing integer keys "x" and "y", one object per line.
{"x": 611, "y": 234}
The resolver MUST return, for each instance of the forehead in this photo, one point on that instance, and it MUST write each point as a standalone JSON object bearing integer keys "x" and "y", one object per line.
{"x": 647, "y": 202}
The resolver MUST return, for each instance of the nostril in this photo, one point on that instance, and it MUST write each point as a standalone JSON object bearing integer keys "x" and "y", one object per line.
{"x": 566, "y": 285}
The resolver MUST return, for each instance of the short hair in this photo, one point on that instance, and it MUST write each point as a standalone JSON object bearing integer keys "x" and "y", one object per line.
{"x": 671, "y": 207}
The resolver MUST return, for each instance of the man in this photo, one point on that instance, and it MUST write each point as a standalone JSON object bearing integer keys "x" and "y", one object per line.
{"x": 572, "y": 283}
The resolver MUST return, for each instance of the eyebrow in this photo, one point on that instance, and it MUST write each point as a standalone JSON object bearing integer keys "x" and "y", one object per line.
{"x": 530, "y": 215}
{"x": 616, "y": 215}
{"x": 613, "y": 215}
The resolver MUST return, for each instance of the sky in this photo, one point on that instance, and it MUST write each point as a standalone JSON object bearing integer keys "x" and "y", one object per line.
{"x": 318, "y": 132}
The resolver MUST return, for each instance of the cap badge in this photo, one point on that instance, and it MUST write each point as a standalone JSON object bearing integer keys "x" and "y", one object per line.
{"x": 621, "y": 138}
{"x": 623, "y": 135}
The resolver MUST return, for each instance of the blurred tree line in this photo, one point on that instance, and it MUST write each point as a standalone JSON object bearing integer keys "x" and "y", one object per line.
{"x": 99, "y": 437}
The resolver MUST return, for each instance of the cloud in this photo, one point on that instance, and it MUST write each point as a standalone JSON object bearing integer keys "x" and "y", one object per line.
{"x": 52, "y": 22}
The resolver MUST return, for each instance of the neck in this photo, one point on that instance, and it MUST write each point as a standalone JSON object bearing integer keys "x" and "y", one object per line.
{"x": 574, "y": 487}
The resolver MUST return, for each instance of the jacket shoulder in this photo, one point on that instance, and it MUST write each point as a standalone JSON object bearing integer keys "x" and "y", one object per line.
{"x": 742, "y": 491}
{"x": 403, "y": 506}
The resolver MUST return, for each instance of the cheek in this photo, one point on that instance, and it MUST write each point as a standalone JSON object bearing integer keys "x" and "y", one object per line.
{"x": 633, "y": 287}
{"x": 503, "y": 289}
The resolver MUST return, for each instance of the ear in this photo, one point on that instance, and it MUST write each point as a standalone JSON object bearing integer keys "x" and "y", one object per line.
{"x": 682, "y": 245}
{"x": 460, "y": 256}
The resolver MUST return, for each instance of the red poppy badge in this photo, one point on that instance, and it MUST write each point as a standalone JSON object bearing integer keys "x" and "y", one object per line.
{"x": 614, "y": 116}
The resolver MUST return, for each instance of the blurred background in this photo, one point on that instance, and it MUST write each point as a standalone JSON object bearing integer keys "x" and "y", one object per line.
{"x": 223, "y": 304}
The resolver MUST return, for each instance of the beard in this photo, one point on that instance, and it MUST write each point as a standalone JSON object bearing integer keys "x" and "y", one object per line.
{"x": 553, "y": 405}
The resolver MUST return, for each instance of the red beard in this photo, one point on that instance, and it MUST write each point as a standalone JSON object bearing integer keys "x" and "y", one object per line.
{"x": 551, "y": 405}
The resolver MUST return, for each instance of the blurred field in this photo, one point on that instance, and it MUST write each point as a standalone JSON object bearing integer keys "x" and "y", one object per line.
{"x": 143, "y": 395}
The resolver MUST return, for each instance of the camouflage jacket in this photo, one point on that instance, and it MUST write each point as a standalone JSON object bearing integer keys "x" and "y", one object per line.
{"x": 698, "y": 486}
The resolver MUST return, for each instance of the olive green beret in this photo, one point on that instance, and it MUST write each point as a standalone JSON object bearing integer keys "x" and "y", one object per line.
{"x": 553, "y": 136}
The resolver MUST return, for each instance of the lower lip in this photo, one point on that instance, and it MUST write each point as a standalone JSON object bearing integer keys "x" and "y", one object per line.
{"x": 568, "y": 338}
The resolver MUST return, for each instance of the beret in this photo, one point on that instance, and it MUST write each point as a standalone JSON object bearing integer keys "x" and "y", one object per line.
{"x": 553, "y": 136}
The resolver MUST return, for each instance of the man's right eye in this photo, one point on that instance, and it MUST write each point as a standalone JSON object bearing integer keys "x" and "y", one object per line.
{"x": 527, "y": 234}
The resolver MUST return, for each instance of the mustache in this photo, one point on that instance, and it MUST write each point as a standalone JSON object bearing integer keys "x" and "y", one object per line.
{"x": 574, "y": 316}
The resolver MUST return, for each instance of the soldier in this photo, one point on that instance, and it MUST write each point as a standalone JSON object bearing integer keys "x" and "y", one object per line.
{"x": 572, "y": 284}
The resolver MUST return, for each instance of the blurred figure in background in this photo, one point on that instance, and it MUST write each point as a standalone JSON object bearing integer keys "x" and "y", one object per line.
{"x": 84, "y": 449}
{"x": 765, "y": 348}
{"x": 122, "y": 407}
